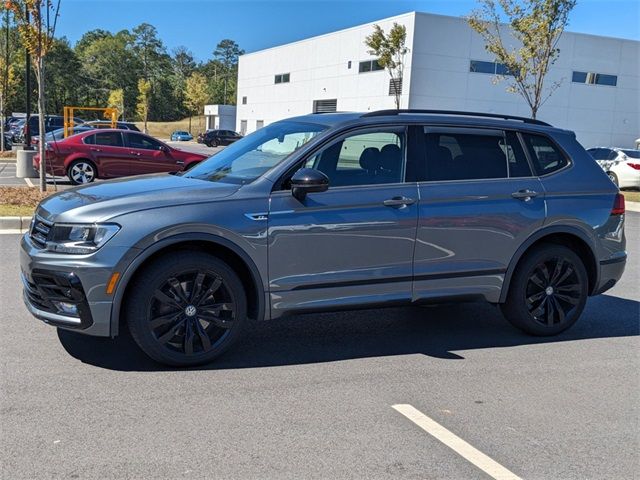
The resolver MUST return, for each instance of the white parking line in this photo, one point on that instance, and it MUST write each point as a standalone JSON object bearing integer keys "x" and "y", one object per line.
{"x": 455, "y": 443}
{"x": 29, "y": 182}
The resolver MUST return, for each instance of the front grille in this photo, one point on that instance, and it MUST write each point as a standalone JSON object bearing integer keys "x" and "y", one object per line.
{"x": 40, "y": 231}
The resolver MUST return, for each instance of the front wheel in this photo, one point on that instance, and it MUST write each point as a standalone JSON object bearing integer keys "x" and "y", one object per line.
{"x": 186, "y": 308}
{"x": 548, "y": 291}
{"x": 81, "y": 172}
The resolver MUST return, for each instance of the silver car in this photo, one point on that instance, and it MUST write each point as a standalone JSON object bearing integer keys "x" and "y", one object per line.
{"x": 332, "y": 212}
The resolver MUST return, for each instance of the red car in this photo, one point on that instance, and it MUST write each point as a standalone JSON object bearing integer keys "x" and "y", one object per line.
{"x": 113, "y": 153}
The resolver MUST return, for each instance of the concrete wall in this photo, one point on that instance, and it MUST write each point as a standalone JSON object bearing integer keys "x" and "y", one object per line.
{"x": 437, "y": 76}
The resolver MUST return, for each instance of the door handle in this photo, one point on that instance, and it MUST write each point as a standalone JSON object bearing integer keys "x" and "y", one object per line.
{"x": 398, "y": 202}
{"x": 525, "y": 195}
{"x": 179, "y": 162}
{"x": 95, "y": 149}
{"x": 137, "y": 154}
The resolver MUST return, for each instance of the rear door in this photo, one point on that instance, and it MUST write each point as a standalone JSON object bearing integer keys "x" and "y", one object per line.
{"x": 479, "y": 200}
{"x": 149, "y": 155}
{"x": 109, "y": 153}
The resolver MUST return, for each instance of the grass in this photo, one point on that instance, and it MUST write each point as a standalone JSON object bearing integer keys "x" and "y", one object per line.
{"x": 16, "y": 211}
{"x": 631, "y": 195}
{"x": 164, "y": 129}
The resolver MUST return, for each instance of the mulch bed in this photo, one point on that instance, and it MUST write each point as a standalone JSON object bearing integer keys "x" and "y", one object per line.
{"x": 23, "y": 196}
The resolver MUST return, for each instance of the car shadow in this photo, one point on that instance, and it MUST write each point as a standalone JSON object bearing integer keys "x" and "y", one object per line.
{"x": 437, "y": 331}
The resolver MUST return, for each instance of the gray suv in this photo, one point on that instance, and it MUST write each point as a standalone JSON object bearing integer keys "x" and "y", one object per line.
{"x": 332, "y": 212}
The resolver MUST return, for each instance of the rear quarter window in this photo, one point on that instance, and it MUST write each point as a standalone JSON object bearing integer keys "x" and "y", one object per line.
{"x": 545, "y": 155}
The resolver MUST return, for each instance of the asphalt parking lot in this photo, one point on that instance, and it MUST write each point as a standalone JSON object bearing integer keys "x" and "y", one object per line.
{"x": 8, "y": 167}
{"x": 312, "y": 396}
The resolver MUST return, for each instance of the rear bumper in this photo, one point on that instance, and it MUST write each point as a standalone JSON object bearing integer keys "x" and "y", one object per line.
{"x": 611, "y": 271}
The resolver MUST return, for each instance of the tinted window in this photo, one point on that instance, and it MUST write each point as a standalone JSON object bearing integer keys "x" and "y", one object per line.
{"x": 579, "y": 77}
{"x": 632, "y": 153}
{"x": 602, "y": 79}
{"x": 479, "y": 66}
{"x": 140, "y": 141}
{"x": 516, "y": 158}
{"x": 546, "y": 156}
{"x": 363, "y": 159}
{"x": 109, "y": 139}
{"x": 599, "y": 153}
{"x": 469, "y": 154}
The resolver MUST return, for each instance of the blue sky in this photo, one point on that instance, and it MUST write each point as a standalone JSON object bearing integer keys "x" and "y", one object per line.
{"x": 201, "y": 24}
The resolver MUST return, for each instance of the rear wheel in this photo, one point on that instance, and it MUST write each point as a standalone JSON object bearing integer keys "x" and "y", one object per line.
{"x": 81, "y": 172}
{"x": 613, "y": 177}
{"x": 186, "y": 309}
{"x": 548, "y": 291}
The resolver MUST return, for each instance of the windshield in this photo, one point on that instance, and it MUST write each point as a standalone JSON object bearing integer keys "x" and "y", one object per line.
{"x": 632, "y": 153}
{"x": 247, "y": 159}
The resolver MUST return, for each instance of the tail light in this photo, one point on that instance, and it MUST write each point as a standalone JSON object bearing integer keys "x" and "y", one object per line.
{"x": 634, "y": 165}
{"x": 618, "y": 205}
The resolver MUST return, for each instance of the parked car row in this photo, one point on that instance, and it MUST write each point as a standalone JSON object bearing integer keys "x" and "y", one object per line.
{"x": 112, "y": 153}
{"x": 17, "y": 128}
{"x": 622, "y": 165}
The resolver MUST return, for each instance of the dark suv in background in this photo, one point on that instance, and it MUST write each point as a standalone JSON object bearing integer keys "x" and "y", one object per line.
{"x": 214, "y": 138}
{"x": 51, "y": 123}
{"x": 329, "y": 212}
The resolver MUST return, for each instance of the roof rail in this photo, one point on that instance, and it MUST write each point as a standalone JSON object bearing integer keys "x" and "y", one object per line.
{"x": 382, "y": 113}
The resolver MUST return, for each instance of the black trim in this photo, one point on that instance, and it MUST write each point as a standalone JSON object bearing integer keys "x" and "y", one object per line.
{"x": 407, "y": 278}
{"x": 613, "y": 260}
{"x": 384, "y": 113}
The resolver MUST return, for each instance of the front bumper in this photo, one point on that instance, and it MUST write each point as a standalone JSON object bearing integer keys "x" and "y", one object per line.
{"x": 47, "y": 276}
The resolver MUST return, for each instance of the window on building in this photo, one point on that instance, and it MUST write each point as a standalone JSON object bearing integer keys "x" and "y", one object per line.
{"x": 244, "y": 100}
{"x": 259, "y": 124}
{"x": 493, "y": 68}
{"x": 395, "y": 85}
{"x": 282, "y": 78}
{"x": 592, "y": 78}
{"x": 546, "y": 156}
{"x": 324, "y": 106}
{"x": 369, "y": 66}
{"x": 243, "y": 127}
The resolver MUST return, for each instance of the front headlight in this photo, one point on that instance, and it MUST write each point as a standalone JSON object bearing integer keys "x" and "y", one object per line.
{"x": 80, "y": 239}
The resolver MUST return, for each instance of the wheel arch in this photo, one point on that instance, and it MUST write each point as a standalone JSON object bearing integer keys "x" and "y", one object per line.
{"x": 571, "y": 237}
{"x": 224, "y": 249}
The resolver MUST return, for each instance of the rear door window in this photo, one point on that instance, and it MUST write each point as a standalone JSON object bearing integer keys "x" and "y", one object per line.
{"x": 469, "y": 154}
{"x": 107, "y": 139}
{"x": 545, "y": 155}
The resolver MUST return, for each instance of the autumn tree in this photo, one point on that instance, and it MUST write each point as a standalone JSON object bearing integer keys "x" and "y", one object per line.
{"x": 8, "y": 79}
{"x": 390, "y": 50}
{"x": 116, "y": 100}
{"x": 144, "y": 95}
{"x": 36, "y": 22}
{"x": 535, "y": 26}
{"x": 195, "y": 95}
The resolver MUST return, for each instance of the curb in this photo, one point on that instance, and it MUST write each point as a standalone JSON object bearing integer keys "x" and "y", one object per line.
{"x": 632, "y": 206}
{"x": 14, "y": 224}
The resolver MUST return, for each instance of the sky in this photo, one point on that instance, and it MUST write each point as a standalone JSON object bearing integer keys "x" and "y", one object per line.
{"x": 254, "y": 25}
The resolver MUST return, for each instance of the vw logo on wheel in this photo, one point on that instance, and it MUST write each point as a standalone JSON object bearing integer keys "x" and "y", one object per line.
{"x": 190, "y": 311}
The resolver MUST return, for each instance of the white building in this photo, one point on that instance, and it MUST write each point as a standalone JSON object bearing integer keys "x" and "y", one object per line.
{"x": 598, "y": 97}
{"x": 220, "y": 117}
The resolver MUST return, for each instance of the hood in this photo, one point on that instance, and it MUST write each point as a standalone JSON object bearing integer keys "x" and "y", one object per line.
{"x": 98, "y": 202}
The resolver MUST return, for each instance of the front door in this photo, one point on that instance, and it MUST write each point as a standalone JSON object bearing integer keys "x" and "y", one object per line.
{"x": 149, "y": 155}
{"x": 110, "y": 155}
{"x": 353, "y": 244}
{"x": 479, "y": 201}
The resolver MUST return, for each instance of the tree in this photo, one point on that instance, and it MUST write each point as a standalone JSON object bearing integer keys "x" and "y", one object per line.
{"x": 8, "y": 80}
{"x": 196, "y": 95}
{"x": 536, "y": 25}
{"x": 149, "y": 49}
{"x": 391, "y": 51}
{"x": 144, "y": 95}
{"x": 36, "y": 21}
{"x": 225, "y": 68}
{"x": 116, "y": 100}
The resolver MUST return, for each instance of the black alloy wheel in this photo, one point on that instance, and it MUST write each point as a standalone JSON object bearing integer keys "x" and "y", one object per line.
{"x": 548, "y": 290}
{"x": 186, "y": 309}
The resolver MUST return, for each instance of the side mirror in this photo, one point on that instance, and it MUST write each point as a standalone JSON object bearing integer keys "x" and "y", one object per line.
{"x": 308, "y": 180}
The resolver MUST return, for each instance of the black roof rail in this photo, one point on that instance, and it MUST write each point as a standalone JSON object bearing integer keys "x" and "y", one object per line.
{"x": 383, "y": 113}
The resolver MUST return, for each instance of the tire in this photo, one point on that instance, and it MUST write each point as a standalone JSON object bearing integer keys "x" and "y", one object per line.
{"x": 548, "y": 291}
{"x": 186, "y": 331}
{"x": 213, "y": 143}
{"x": 614, "y": 178}
{"x": 81, "y": 172}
